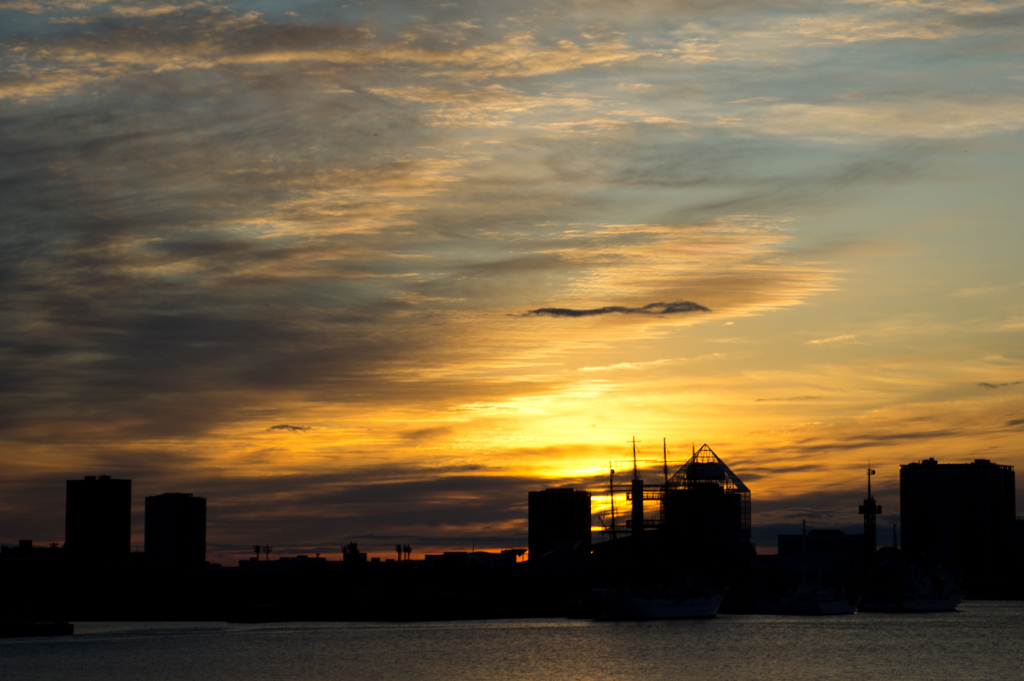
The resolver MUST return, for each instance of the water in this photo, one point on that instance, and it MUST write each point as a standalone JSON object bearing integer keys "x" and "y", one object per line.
{"x": 982, "y": 641}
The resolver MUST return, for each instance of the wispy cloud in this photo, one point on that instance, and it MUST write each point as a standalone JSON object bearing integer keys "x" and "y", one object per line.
{"x": 797, "y": 398}
{"x": 994, "y": 386}
{"x": 832, "y": 339}
{"x": 649, "y": 309}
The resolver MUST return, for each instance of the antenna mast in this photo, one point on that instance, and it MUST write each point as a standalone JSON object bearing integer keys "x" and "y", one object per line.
{"x": 664, "y": 457}
{"x": 636, "y": 495}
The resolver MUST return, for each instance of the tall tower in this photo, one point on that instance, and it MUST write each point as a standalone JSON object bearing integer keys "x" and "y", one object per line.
{"x": 98, "y": 520}
{"x": 176, "y": 530}
{"x": 869, "y": 509}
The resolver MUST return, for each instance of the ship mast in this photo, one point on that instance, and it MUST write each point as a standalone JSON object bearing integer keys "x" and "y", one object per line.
{"x": 636, "y": 492}
{"x": 664, "y": 458}
{"x": 611, "y": 495}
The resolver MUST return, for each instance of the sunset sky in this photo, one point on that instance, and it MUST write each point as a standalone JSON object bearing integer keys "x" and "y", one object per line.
{"x": 372, "y": 271}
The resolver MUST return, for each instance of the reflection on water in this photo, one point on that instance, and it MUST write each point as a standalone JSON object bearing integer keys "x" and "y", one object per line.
{"x": 981, "y": 642}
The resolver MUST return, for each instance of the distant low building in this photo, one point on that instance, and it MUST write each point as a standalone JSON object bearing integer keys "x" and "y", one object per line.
{"x": 287, "y": 563}
{"x": 25, "y": 551}
{"x": 448, "y": 559}
{"x": 830, "y": 554}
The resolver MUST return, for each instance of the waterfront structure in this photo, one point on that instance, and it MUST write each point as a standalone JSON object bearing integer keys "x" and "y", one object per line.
{"x": 869, "y": 509}
{"x": 98, "y": 520}
{"x": 176, "y": 530}
{"x": 960, "y": 515}
{"x": 559, "y": 520}
{"x": 705, "y": 495}
{"x": 698, "y": 518}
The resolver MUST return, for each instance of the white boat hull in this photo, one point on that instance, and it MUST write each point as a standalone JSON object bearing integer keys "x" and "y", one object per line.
{"x": 817, "y": 600}
{"x": 936, "y": 604}
{"x": 817, "y": 607}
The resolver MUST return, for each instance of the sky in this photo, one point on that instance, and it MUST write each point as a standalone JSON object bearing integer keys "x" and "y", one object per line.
{"x": 372, "y": 271}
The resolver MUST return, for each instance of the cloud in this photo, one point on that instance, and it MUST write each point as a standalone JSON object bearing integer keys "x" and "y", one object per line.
{"x": 798, "y": 398}
{"x": 833, "y": 339}
{"x": 293, "y": 429}
{"x": 650, "y": 309}
{"x": 630, "y": 365}
{"x": 994, "y": 386}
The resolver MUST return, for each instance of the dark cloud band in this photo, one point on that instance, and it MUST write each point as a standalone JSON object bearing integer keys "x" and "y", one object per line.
{"x": 677, "y": 307}
{"x": 993, "y": 386}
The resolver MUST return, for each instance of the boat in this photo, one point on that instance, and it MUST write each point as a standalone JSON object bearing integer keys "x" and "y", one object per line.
{"x": 655, "y": 605}
{"x": 811, "y": 596}
{"x": 921, "y": 585}
{"x": 934, "y": 590}
{"x": 814, "y": 599}
{"x": 930, "y": 603}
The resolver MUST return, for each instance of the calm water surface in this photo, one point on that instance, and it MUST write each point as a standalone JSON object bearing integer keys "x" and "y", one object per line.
{"x": 983, "y": 641}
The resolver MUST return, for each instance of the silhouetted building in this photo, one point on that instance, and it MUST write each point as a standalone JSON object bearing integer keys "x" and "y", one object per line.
{"x": 176, "y": 530}
{"x": 299, "y": 563}
{"x": 707, "y": 511}
{"x": 559, "y": 520}
{"x": 503, "y": 558}
{"x": 25, "y": 551}
{"x": 98, "y": 520}
{"x": 703, "y": 519}
{"x": 960, "y": 514}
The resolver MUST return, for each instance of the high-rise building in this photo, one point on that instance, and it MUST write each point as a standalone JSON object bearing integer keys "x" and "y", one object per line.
{"x": 961, "y": 515}
{"x": 176, "y": 530}
{"x": 98, "y": 519}
{"x": 559, "y": 521}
